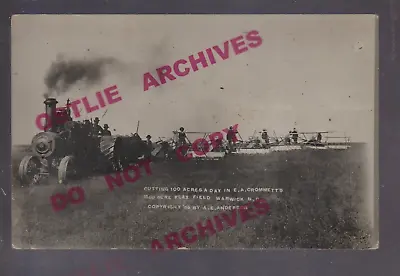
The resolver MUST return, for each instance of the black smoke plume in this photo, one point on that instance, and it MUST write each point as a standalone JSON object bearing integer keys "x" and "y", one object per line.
{"x": 63, "y": 74}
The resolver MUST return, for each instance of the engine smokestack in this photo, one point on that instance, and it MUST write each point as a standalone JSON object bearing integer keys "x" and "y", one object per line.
{"x": 51, "y": 107}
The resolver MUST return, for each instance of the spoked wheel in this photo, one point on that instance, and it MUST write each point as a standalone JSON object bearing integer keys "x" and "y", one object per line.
{"x": 67, "y": 170}
{"x": 29, "y": 170}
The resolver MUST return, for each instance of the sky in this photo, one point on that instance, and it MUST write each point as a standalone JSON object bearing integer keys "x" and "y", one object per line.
{"x": 312, "y": 72}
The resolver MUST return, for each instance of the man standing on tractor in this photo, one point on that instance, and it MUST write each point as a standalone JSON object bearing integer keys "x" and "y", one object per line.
{"x": 295, "y": 135}
{"x": 106, "y": 132}
{"x": 97, "y": 129}
{"x": 87, "y": 128}
{"x": 181, "y": 136}
{"x": 319, "y": 137}
{"x": 265, "y": 137}
{"x": 230, "y": 136}
{"x": 149, "y": 143}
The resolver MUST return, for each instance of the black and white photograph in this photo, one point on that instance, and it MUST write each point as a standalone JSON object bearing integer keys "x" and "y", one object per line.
{"x": 169, "y": 132}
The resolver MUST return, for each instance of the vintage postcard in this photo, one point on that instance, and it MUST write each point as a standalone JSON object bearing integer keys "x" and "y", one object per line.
{"x": 194, "y": 131}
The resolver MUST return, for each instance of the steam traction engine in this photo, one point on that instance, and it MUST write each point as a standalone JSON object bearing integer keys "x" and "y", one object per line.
{"x": 69, "y": 149}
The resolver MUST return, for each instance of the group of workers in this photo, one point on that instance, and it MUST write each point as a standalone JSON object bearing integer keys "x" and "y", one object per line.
{"x": 183, "y": 140}
{"x": 95, "y": 128}
{"x": 63, "y": 115}
{"x": 292, "y": 137}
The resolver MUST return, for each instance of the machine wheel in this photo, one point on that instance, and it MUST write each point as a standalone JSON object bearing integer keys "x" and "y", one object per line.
{"x": 66, "y": 169}
{"x": 29, "y": 170}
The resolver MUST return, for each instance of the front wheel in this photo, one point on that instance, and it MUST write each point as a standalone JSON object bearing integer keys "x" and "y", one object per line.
{"x": 66, "y": 169}
{"x": 29, "y": 170}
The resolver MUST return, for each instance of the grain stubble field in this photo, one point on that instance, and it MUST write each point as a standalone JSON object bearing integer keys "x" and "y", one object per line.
{"x": 321, "y": 206}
